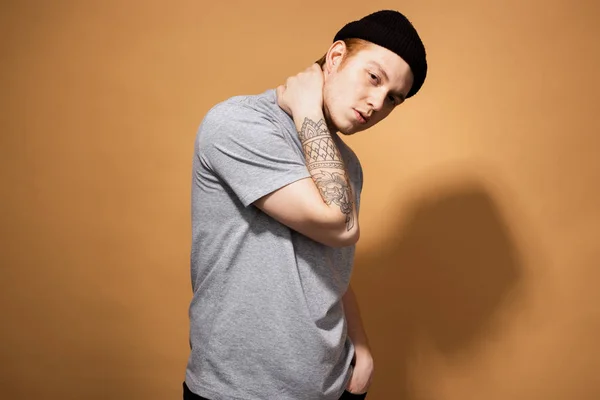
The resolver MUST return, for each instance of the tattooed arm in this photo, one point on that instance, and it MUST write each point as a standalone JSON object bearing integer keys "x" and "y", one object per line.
{"x": 321, "y": 207}
{"x": 326, "y": 167}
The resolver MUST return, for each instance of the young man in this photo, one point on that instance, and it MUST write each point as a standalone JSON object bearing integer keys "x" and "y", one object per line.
{"x": 275, "y": 201}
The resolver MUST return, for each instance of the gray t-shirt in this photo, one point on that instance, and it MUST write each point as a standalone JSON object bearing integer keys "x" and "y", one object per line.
{"x": 266, "y": 318}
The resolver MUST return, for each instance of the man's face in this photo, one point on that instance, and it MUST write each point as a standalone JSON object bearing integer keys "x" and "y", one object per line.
{"x": 365, "y": 88}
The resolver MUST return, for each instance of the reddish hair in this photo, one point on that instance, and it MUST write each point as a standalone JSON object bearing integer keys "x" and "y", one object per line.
{"x": 353, "y": 46}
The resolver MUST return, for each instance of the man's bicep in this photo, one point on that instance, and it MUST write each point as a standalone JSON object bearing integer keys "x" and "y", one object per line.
{"x": 249, "y": 155}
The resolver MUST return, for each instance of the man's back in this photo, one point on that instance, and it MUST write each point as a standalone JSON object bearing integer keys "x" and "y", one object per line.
{"x": 266, "y": 320}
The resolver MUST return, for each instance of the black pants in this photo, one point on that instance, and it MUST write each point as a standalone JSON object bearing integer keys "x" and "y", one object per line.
{"x": 188, "y": 395}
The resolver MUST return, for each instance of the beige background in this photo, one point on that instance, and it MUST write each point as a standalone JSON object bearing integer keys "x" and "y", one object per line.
{"x": 478, "y": 266}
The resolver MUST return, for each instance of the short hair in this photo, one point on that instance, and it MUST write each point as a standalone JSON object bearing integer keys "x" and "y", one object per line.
{"x": 353, "y": 46}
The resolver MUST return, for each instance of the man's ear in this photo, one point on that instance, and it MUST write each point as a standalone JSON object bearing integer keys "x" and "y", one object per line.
{"x": 334, "y": 56}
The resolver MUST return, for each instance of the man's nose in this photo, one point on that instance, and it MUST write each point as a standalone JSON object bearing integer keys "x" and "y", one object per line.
{"x": 377, "y": 100}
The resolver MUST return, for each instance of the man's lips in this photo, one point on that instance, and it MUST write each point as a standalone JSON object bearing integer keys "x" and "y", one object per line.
{"x": 361, "y": 117}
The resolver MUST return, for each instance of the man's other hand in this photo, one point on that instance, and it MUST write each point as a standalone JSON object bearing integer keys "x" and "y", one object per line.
{"x": 362, "y": 374}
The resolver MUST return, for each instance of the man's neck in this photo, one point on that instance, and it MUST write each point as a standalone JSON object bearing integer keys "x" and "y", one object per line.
{"x": 330, "y": 126}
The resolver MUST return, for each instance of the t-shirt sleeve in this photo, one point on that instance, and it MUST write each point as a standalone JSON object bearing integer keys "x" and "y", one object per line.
{"x": 248, "y": 152}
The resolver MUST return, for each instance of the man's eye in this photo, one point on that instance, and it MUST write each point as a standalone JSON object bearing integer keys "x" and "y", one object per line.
{"x": 374, "y": 77}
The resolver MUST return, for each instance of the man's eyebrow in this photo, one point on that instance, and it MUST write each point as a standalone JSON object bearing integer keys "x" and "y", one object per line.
{"x": 385, "y": 76}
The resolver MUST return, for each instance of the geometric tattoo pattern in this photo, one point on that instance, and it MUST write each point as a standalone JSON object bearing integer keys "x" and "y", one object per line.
{"x": 311, "y": 129}
{"x": 321, "y": 149}
{"x": 321, "y": 153}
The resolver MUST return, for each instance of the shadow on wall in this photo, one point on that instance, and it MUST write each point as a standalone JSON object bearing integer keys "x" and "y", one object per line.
{"x": 440, "y": 278}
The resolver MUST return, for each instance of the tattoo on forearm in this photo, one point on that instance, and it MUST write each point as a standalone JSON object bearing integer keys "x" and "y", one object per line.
{"x": 312, "y": 129}
{"x": 321, "y": 149}
{"x": 325, "y": 164}
{"x": 336, "y": 189}
{"x": 322, "y": 153}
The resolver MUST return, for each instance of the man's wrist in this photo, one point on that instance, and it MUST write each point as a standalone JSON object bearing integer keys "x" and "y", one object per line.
{"x": 363, "y": 357}
{"x": 300, "y": 117}
{"x": 362, "y": 350}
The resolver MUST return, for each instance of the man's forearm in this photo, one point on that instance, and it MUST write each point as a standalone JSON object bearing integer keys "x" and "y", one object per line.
{"x": 356, "y": 330}
{"x": 362, "y": 373}
{"x": 326, "y": 166}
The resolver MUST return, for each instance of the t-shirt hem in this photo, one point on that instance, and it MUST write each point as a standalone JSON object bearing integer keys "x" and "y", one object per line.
{"x": 210, "y": 394}
{"x": 202, "y": 391}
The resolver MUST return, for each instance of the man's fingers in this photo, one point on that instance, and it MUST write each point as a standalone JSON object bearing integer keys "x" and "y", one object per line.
{"x": 280, "y": 89}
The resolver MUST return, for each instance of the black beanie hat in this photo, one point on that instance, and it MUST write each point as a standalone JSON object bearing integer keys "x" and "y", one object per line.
{"x": 392, "y": 30}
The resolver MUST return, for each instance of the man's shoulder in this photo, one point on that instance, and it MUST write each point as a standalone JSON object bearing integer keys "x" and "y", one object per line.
{"x": 246, "y": 106}
{"x": 234, "y": 117}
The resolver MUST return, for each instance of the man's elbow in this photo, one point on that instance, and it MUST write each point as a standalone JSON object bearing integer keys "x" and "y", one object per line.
{"x": 334, "y": 229}
{"x": 347, "y": 240}
{"x": 342, "y": 237}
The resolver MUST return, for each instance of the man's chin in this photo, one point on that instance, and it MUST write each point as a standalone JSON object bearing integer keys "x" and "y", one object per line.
{"x": 347, "y": 133}
{"x": 348, "y": 128}
{"x": 351, "y": 130}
